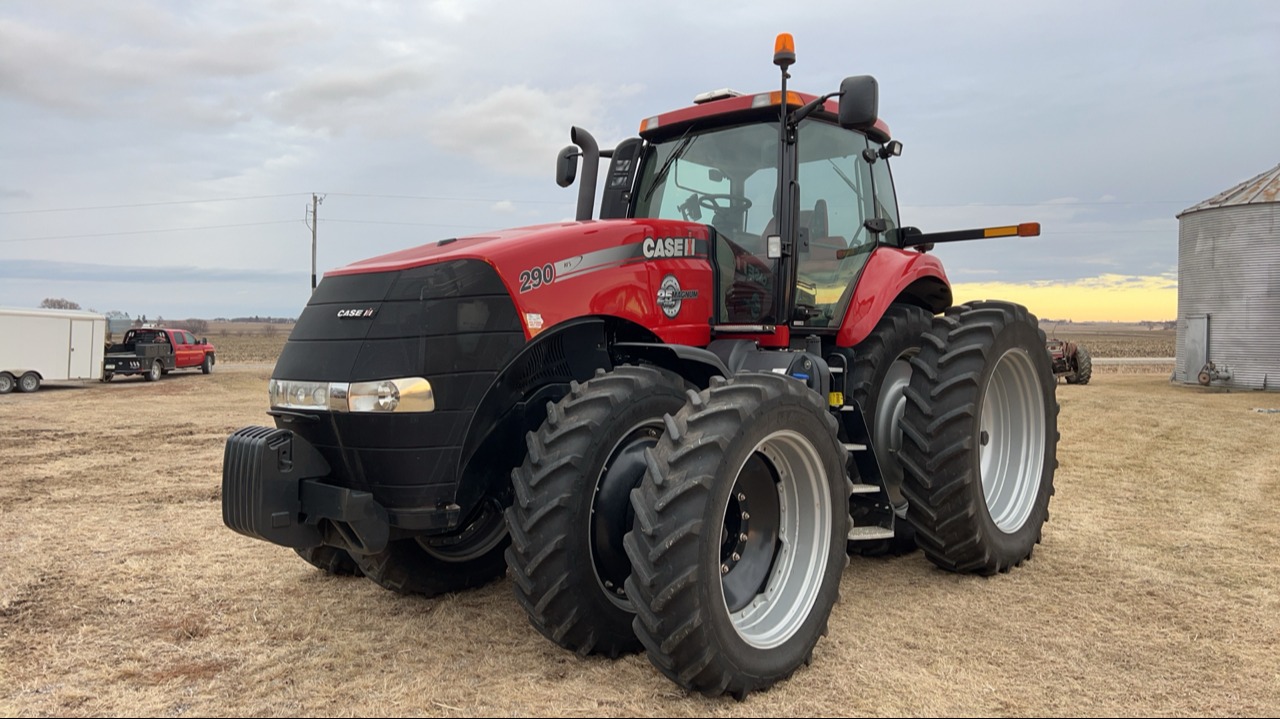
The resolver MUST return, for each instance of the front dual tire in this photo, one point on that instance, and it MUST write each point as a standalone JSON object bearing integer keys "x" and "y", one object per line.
{"x": 739, "y": 538}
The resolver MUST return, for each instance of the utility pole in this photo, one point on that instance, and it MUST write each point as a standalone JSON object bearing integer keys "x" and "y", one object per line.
{"x": 315, "y": 221}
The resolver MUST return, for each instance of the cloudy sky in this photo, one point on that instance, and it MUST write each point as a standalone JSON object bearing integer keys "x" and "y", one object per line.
{"x": 158, "y": 157}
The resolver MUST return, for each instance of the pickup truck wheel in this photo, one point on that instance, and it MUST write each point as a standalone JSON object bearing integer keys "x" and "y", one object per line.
{"x": 6, "y": 383}
{"x": 156, "y": 370}
{"x": 29, "y": 382}
{"x": 207, "y": 366}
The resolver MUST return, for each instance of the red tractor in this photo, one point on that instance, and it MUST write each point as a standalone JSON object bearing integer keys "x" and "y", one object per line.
{"x": 670, "y": 425}
{"x": 1070, "y": 361}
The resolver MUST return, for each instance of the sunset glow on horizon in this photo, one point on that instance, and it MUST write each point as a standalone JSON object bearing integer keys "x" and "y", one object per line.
{"x": 1106, "y": 298}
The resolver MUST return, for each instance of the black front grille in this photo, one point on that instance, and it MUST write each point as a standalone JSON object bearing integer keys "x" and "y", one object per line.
{"x": 452, "y": 323}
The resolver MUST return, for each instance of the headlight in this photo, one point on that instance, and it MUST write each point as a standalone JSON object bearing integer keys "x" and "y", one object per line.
{"x": 408, "y": 394}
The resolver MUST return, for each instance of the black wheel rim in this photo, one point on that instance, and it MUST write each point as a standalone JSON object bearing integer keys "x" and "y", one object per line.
{"x": 480, "y": 536}
{"x": 611, "y": 512}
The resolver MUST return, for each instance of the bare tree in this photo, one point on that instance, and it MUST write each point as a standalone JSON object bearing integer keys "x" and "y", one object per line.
{"x": 58, "y": 303}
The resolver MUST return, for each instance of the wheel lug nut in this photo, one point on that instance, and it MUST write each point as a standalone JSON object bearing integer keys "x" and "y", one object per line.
{"x": 742, "y": 496}
{"x": 736, "y": 556}
{"x": 746, "y": 515}
{"x": 742, "y": 537}
{"x": 724, "y": 569}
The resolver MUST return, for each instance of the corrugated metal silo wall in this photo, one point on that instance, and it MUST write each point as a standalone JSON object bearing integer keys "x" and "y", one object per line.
{"x": 1229, "y": 269}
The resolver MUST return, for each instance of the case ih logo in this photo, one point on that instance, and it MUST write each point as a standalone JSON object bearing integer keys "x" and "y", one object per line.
{"x": 668, "y": 247}
{"x": 357, "y": 313}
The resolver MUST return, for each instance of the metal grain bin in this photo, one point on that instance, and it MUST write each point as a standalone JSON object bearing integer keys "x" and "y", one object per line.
{"x": 1229, "y": 287}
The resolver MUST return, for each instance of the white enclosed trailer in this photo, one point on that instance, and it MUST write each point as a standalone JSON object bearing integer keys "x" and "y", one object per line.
{"x": 49, "y": 345}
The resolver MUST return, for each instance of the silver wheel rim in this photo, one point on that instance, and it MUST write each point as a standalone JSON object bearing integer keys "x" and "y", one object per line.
{"x": 780, "y": 609}
{"x": 890, "y": 405}
{"x": 1012, "y": 440}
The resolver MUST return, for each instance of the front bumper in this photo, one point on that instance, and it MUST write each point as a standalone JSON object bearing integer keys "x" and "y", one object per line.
{"x": 272, "y": 490}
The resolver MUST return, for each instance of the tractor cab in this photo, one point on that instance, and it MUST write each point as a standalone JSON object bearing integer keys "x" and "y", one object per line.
{"x": 796, "y": 189}
{"x": 723, "y": 171}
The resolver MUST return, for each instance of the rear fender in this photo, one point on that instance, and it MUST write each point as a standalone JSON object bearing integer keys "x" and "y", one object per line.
{"x": 893, "y": 275}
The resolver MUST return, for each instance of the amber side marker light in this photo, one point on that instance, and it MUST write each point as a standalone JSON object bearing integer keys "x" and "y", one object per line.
{"x": 1026, "y": 229}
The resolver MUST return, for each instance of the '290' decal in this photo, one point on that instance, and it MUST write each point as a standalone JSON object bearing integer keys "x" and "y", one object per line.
{"x": 533, "y": 278}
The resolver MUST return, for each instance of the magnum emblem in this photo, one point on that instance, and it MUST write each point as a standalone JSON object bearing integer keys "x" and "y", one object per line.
{"x": 670, "y": 296}
{"x": 358, "y": 313}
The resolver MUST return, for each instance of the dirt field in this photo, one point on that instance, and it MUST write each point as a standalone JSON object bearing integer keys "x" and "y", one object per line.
{"x": 1156, "y": 591}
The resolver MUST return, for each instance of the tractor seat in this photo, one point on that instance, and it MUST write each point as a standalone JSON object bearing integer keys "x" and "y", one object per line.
{"x": 812, "y": 223}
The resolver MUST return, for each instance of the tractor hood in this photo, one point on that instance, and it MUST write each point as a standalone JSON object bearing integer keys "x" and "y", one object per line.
{"x": 540, "y": 244}
{"x": 556, "y": 272}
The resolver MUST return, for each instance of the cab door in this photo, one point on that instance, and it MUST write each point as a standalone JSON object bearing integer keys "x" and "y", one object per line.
{"x": 182, "y": 349}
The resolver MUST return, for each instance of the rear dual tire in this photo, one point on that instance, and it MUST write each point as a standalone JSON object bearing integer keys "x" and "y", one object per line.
{"x": 878, "y": 378}
{"x": 980, "y": 432}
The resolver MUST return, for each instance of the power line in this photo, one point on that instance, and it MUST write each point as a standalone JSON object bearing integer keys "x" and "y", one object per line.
{"x": 410, "y": 224}
{"x": 148, "y": 232}
{"x": 450, "y": 199}
{"x": 149, "y": 204}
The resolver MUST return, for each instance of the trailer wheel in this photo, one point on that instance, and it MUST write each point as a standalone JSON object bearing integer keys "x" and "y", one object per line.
{"x": 432, "y": 566}
{"x": 207, "y": 365}
{"x": 332, "y": 560}
{"x": 573, "y": 507}
{"x": 1084, "y": 367}
{"x": 29, "y": 382}
{"x": 980, "y": 436}
{"x": 739, "y": 536}
{"x": 6, "y": 383}
{"x": 879, "y": 375}
{"x": 154, "y": 373}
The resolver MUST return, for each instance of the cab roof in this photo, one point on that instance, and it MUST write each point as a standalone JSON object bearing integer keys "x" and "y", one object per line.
{"x": 725, "y": 106}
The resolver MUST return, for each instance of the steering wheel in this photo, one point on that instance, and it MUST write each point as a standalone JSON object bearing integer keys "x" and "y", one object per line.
{"x": 735, "y": 203}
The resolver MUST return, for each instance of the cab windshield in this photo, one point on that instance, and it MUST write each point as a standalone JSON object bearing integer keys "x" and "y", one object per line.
{"x": 728, "y": 178}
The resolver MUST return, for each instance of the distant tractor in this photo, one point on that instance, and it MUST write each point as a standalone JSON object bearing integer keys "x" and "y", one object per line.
{"x": 1070, "y": 361}
{"x": 670, "y": 425}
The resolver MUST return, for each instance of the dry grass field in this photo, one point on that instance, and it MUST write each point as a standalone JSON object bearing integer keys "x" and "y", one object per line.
{"x": 1108, "y": 339}
{"x": 1156, "y": 591}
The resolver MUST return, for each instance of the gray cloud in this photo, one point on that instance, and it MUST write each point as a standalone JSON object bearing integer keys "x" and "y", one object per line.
{"x": 1101, "y": 120}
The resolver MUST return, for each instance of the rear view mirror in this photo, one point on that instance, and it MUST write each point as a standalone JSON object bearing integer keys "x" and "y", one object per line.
{"x": 567, "y": 166}
{"x": 859, "y": 102}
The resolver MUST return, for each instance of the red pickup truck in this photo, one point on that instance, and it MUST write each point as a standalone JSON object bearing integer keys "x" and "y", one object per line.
{"x": 155, "y": 351}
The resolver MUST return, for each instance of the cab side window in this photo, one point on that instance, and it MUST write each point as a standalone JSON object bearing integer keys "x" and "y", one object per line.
{"x": 886, "y": 202}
